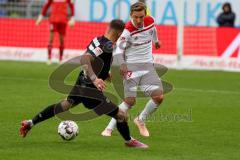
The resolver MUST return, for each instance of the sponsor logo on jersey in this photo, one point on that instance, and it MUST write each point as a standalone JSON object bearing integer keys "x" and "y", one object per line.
{"x": 151, "y": 32}
{"x": 122, "y": 39}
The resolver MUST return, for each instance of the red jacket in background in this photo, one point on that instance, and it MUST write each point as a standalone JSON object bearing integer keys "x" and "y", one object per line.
{"x": 59, "y": 10}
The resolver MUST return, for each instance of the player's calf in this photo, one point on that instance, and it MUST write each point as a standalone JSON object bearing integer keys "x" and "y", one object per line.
{"x": 45, "y": 114}
{"x": 107, "y": 132}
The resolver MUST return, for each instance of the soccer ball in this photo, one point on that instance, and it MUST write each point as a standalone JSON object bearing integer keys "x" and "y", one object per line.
{"x": 68, "y": 130}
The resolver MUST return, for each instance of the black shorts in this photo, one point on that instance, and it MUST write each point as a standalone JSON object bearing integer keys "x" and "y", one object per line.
{"x": 86, "y": 93}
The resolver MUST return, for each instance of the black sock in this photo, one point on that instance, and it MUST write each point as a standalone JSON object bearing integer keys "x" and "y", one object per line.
{"x": 47, "y": 113}
{"x": 123, "y": 129}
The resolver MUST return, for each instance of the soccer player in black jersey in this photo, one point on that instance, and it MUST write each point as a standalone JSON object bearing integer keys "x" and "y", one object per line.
{"x": 90, "y": 83}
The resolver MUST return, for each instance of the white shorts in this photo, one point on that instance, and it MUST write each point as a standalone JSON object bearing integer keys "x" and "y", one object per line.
{"x": 143, "y": 76}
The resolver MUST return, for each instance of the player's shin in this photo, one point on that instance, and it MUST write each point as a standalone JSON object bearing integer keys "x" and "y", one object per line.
{"x": 123, "y": 129}
{"x": 61, "y": 50}
{"x": 47, "y": 113}
{"x": 122, "y": 125}
{"x": 49, "y": 52}
{"x": 150, "y": 107}
{"x": 112, "y": 124}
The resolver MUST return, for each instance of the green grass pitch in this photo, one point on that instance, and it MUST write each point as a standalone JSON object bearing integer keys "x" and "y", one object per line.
{"x": 199, "y": 119}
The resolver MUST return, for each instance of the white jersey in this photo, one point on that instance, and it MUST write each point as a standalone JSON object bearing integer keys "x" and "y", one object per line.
{"x": 135, "y": 44}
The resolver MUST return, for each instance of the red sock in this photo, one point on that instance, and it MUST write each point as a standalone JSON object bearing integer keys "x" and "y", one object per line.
{"x": 61, "y": 49}
{"x": 49, "y": 52}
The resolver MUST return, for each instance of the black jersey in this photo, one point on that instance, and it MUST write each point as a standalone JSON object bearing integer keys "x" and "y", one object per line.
{"x": 101, "y": 49}
{"x": 84, "y": 91}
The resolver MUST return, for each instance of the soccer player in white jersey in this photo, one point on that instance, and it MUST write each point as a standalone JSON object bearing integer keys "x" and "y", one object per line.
{"x": 135, "y": 49}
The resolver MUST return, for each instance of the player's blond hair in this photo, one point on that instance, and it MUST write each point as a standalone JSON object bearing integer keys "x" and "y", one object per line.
{"x": 138, "y": 6}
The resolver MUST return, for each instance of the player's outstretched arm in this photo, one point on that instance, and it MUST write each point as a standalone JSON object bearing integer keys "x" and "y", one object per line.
{"x": 156, "y": 41}
{"x": 71, "y": 21}
{"x": 157, "y": 45}
{"x": 43, "y": 12}
{"x": 123, "y": 69}
{"x": 39, "y": 20}
{"x": 85, "y": 61}
{"x": 119, "y": 54}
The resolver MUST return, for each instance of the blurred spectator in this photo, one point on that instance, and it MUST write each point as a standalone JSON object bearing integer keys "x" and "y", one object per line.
{"x": 227, "y": 17}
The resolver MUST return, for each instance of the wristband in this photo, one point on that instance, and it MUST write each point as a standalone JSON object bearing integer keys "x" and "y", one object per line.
{"x": 93, "y": 77}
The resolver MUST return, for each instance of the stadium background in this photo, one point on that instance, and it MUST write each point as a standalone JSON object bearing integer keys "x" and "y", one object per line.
{"x": 187, "y": 29}
{"x": 198, "y": 120}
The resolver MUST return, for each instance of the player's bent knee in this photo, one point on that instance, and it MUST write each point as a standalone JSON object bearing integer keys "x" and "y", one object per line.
{"x": 66, "y": 105}
{"x": 158, "y": 98}
{"x": 121, "y": 116}
{"x": 130, "y": 101}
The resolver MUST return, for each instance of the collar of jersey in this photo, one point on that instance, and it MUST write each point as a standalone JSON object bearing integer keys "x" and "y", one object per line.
{"x": 137, "y": 27}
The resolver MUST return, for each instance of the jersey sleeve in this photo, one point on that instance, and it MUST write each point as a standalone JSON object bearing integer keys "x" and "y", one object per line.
{"x": 121, "y": 46}
{"x": 151, "y": 21}
{"x": 95, "y": 48}
{"x": 123, "y": 42}
{"x": 155, "y": 35}
{"x": 45, "y": 7}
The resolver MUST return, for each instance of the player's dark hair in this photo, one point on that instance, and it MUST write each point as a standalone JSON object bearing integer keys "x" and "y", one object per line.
{"x": 138, "y": 6}
{"x": 117, "y": 24}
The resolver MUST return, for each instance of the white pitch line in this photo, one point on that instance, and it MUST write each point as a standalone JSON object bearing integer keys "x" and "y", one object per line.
{"x": 208, "y": 91}
{"x": 23, "y": 79}
{"x": 181, "y": 89}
